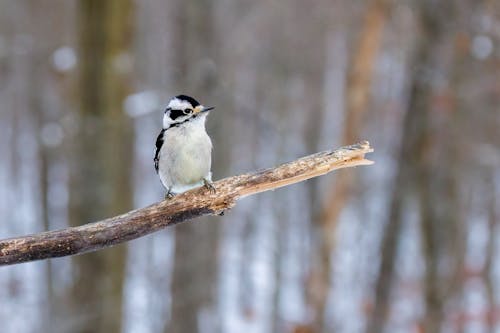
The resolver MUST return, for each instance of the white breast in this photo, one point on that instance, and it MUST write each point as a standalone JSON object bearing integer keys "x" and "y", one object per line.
{"x": 185, "y": 156}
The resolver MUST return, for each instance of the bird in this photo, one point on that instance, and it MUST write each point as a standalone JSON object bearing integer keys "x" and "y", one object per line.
{"x": 183, "y": 154}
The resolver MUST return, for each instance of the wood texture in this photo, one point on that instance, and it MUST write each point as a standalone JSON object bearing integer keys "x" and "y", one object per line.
{"x": 186, "y": 206}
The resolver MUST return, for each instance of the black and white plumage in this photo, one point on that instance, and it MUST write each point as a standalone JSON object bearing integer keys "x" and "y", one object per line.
{"x": 183, "y": 154}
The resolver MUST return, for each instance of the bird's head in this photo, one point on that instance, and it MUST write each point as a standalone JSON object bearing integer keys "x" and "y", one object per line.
{"x": 181, "y": 109}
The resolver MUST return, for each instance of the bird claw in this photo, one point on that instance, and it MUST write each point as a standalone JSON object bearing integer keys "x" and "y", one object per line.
{"x": 209, "y": 185}
{"x": 169, "y": 195}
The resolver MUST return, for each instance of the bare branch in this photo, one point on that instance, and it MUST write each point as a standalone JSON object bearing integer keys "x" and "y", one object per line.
{"x": 194, "y": 203}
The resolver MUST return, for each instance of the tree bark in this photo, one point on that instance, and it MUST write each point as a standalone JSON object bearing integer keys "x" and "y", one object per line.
{"x": 194, "y": 281}
{"x": 101, "y": 149}
{"x": 416, "y": 173}
{"x": 357, "y": 97}
{"x": 188, "y": 205}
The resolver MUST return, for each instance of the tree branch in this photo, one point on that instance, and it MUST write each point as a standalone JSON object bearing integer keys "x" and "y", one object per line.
{"x": 188, "y": 205}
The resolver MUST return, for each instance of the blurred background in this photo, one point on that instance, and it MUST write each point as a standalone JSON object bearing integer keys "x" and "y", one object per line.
{"x": 409, "y": 244}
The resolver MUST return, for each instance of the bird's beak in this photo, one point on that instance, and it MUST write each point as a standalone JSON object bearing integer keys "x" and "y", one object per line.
{"x": 206, "y": 109}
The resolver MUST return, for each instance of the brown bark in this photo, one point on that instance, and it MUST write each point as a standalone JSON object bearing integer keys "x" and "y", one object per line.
{"x": 194, "y": 203}
{"x": 412, "y": 127}
{"x": 418, "y": 174}
{"x": 437, "y": 181}
{"x": 357, "y": 97}
{"x": 194, "y": 276}
{"x": 100, "y": 178}
{"x": 488, "y": 275}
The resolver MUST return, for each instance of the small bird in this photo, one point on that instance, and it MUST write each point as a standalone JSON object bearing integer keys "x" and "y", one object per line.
{"x": 183, "y": 154}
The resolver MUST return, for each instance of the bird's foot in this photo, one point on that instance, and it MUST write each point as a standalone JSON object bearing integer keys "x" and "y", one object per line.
{"x": 169, "y": 195}
{"x": 209, "y": 185}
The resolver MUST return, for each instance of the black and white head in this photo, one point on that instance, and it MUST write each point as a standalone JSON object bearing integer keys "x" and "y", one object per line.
{"x": 182, "y": 109}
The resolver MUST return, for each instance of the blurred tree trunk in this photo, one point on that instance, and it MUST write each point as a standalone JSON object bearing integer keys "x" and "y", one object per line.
{"x": 357, "y": 97}
{"x": 101, "y": 152}
{"x": 45, "y": 158}
{"x": 437, "y": 176}
{"x": 38, "y": 112}
{"x": 426, "y": 169}
{"x": 413, "y": 128}
{"x": 488, "y": 275}
{"x": 194, "y": 278}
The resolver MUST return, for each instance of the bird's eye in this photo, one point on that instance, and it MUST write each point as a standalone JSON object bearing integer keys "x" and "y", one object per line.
{"x": 188, "y": 111}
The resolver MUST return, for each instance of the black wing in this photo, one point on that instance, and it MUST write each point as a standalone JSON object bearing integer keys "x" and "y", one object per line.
{"x": 159, "y": 143}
